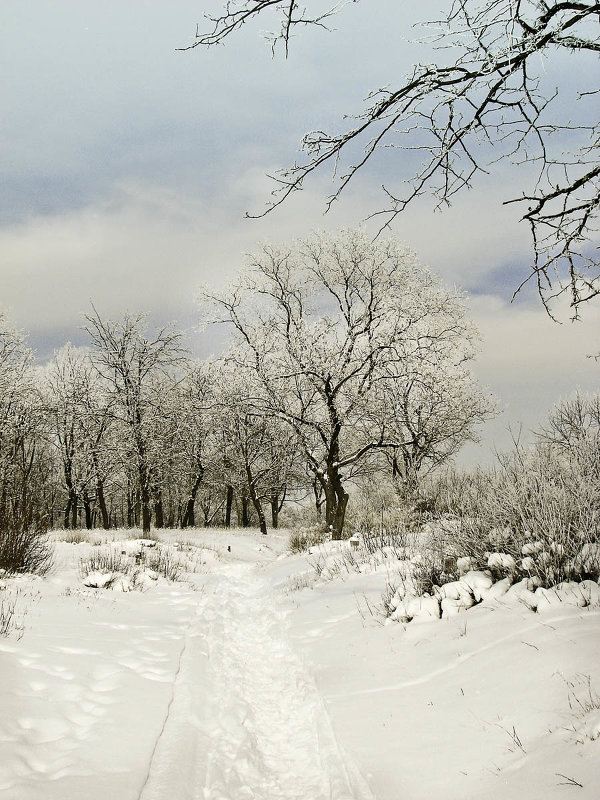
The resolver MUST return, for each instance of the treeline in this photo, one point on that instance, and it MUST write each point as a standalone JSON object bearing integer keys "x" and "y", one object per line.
{"x": 129, "y": 432}
{"x": 348, "y": 361}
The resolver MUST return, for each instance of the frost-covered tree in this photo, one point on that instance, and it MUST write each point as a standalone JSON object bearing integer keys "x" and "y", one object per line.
{"x": 25, "y": 462}
{"x": 325, "y": 326}
{"x": 573, "y": 432}
{"x": 435, "y": 407}
{"x": 79, "y": 410}
{"x": 260, "y": 451}
{"x": 489, "y": 90}
{"x": 130, "y": 363}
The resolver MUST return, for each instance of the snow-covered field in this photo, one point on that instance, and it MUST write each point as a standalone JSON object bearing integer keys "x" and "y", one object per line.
{"x": 254, "y": 678}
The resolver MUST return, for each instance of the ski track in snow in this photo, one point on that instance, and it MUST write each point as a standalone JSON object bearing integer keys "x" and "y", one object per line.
{"x": 457, "y": 662}
{"x": 264, "y": 733}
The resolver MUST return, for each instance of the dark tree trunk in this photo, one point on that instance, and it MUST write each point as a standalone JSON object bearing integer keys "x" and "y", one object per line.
{"x": 88, "y": 511}
{"x": 102, "y": 505}
{"x": 189, "y": 516}
{"x": 73, "y": 510}
{"x": 262, "y": 523}
{"x": 228, "y": 506}
{"x": 319, "y": 496}
{"x": 336, "y": 501}
{"x": 277, "y": 500}
{"x": 144, "y": 497}
{"x": 67, "y": 520}
{"x": 244, "y": 505}
{"x": 189, "y": 519}
{"x": 159, "y": 520}
{"x": 274, "y": 500}
{"x": 130, "y": 510}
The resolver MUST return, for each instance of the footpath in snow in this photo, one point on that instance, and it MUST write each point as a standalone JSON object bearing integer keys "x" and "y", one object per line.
{"x": 258, "y": 677}
{"x": 263, "y": 732}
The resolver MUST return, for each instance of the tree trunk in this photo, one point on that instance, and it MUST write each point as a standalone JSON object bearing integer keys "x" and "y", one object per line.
{"x": 189, "y": 519}
{"x": 244, "y": 505}
{"x": 74, "y": 510}
{"x": 88, "y": 511}
{"x": 159, "y": 520}
{"x": 319, "y": 497}
{"x": 274, "y": 510}
{"x": 102, "y": 504}
{"x": 228, "y": 506}
{"x": 67, "y": 520}
{"x": 262, "y": 523}
{"x": 130, "y": 509}
{"x": 145, "y": 508}
{"x": 336, "y": 501}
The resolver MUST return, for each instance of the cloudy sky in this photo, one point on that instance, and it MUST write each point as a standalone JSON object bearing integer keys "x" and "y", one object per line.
{"x": 127, "y": 167}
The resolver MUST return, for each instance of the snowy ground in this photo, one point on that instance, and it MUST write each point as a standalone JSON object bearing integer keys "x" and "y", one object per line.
{"x": 254, "y": 680}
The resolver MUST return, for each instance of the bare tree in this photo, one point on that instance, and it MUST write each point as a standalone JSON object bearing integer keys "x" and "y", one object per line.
{"x": 323, "y": 326}
{"x": 436, "y": 407}
{"x": 487, "y": 98}
{"x": 573, "y": 431}
{"x": 79, "y": 410}
{"x": 25, "y": 461}
{"x": 129, "y": 361}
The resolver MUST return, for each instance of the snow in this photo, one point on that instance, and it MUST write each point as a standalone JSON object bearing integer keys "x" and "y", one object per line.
{"x": 254, "y": 679}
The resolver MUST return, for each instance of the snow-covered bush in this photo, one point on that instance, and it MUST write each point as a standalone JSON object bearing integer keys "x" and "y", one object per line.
{"x": 113, "y": 567}
{"x": 302, "y": 539}
{"x": 106, "y": 560}
{"x": 164, "y": 561}
{"x": 396, "y": 540}
{"x": 539, "y": 509}
{"x": 24, "y": 546}
{"x": 431, "y": 569}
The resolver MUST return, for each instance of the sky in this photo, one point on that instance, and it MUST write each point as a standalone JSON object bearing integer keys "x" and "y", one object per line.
{"x": 127, "y": 166}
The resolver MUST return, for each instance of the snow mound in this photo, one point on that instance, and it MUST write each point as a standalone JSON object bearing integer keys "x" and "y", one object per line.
{"x": 591, "y": 727}
{"x": 464, "y": 564}
{"x": 410, "y": 607}
{"x": 478, "y": 583}
{"x": 522, "y": 592}
{"x": 502, "y": 561}
{"x": 99, "y": 580}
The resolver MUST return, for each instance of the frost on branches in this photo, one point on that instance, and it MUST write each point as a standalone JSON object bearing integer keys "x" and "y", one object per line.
{"x": 491, "y": 88}
{"x": 360, "y": 351}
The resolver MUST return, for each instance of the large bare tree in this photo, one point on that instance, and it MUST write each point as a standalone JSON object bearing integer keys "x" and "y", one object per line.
{"x": 483, "y": 97}
{"x": 325, "y": 326}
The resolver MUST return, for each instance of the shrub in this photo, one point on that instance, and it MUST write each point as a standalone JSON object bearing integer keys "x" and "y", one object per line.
{"x": 24, "y": 546}
{"x": 163, "y": 561}
{"x": 539, "y": 506}
{"x": 76, "y": 536}
{"x": 111, "y": 561}
{"x": 7, "y": 615}
{"x": 105, "y": 560}
{"x": 302, "y": 539}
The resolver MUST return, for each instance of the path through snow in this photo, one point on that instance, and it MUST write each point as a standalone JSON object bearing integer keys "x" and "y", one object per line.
{"x": 245, "y": 704}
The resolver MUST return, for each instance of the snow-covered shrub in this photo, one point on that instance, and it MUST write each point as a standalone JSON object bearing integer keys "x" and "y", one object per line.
{"x": 73, "y": 536}
{"x": 105, "y": 561}
{"x": 397, "y": 539}
{"x": 132, "y": 565}
{"x": 24, "y": 545}
{"x": 302, "y": 539}
{"x": 538, "y": 509}
{"x": 375, "y": 507}
{"x": 164, "y": 561}
{"x": 431, "y": 568}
